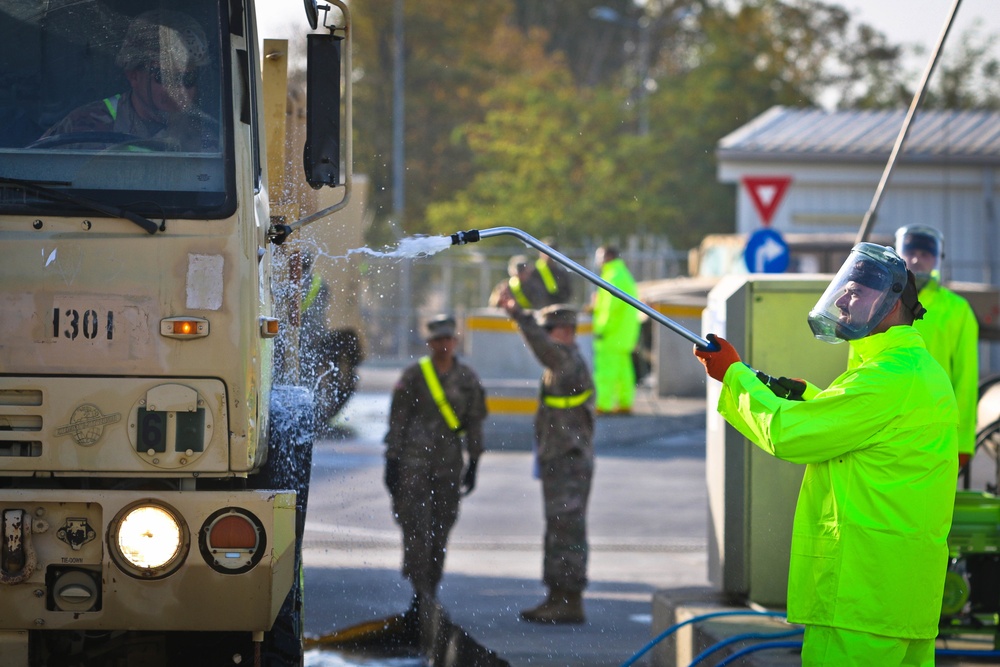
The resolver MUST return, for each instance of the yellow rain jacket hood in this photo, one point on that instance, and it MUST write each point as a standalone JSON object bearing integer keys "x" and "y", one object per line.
{"x": 869, "y": 540}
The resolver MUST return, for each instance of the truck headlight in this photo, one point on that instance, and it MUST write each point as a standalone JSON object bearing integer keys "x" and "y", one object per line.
{"x": 148, "y": 540}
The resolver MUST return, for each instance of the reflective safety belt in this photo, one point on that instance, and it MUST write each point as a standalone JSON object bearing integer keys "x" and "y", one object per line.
{"x": 111, "y": 103}
{"x": 567, "y": 402}
{"x": 515, "y": 289}
{"x": 546, "y": 273}
{"x": 310, "y": 297}
{"x": 437, "y": 393}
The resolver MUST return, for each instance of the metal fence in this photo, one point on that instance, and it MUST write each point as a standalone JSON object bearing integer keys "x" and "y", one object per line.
{"x": 398, "y": 294}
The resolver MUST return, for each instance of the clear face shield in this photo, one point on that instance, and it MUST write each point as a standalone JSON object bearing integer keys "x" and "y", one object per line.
{"x": 863, "y": 292}
{"x": 920, "y": 247}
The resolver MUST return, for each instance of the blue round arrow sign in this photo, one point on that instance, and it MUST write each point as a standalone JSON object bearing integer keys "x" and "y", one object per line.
{"x": 766, "y": 252}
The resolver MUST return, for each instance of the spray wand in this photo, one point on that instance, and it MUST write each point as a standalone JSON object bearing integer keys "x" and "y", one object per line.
{"x": 473, "y": 235}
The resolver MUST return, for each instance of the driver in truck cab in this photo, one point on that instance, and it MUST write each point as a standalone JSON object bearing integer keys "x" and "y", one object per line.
{"x": 162, "y": 56}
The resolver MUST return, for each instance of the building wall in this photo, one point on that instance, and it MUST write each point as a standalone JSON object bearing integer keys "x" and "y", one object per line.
{"x": 834, "y": 198}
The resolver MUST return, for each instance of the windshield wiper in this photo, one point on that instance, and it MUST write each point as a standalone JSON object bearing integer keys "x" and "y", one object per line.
{"x": 59, "y": 195}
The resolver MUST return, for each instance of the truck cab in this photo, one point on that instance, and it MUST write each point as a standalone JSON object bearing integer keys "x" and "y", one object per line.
{"x": 151, "y": 501}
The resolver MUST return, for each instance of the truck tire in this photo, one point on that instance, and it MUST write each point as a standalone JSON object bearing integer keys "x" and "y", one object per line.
{"x": 338, "y": 377}
{"x": 289, "y": 464}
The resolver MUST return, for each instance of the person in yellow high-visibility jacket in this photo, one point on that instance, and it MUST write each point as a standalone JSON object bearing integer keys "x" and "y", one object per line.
{"x": 950, "y": 329}
{"x": 869, "y": 540}
{"x": 615, "y": 326}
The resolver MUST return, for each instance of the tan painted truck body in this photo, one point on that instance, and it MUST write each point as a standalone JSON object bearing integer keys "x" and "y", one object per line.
{"x": 141, "y": 517}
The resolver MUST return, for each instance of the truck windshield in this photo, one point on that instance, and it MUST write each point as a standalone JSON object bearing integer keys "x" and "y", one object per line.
{"x": 119, "y": 102}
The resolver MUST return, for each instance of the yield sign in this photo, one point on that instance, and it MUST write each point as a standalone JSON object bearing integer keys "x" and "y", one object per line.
{"x": 766, "y": 193}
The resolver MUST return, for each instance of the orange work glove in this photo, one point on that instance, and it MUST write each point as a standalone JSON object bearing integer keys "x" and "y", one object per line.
{"x": 717, "y": 362}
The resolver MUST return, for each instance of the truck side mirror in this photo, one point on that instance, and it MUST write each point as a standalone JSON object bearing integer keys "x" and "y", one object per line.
{"x": 312, "y": 13}
{"x": 321, "y": 156}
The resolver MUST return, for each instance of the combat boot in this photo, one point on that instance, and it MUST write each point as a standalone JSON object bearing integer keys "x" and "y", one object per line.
{"x": 559, "y": 607}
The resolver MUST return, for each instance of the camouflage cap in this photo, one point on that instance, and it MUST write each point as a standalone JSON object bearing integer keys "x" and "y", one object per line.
{"x": 557, "y": 315}
{"x": 441, "y": 326}
{"x": 517, "y": 264}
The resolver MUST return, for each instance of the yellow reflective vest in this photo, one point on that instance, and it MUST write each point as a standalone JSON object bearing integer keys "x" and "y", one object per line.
{"x": 870, "y": 536}
{"x": 518, "y": 293}
{"x": 567, "y": 402}
{"x": 437, "y": 393}
{"x": 548, "y": 279}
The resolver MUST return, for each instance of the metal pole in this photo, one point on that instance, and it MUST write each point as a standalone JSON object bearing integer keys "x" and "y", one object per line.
{"x": 473, "y": 235}
{"x": 398, "y": 174}
{"x": 644, "y": 28}
{"x": 869, "y": 220}
{"x": 398, "y": 111}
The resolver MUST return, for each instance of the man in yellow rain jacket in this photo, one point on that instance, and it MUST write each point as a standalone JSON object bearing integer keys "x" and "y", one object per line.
{"x": 615, "y": 326}
{"x": 869, "y": 540}
{"x": 950, "y": 329}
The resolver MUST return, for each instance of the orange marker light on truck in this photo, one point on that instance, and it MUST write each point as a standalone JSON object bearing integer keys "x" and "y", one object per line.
{"x": 184, "y": 327}
{"x": 269, "y": 327}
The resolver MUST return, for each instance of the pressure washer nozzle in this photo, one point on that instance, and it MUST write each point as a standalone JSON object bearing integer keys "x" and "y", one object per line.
{"x": 461, "y": 238}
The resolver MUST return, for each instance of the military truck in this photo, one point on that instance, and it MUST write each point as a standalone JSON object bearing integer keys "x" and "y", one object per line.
{"x": 153, "y": 470}
{"x": 329, "y": 337}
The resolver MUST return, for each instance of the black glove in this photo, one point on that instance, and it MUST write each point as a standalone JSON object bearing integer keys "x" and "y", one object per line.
{"x": 392, "y": 475}
{"x": 784, "y": 387}
{"x": 469, "y": 478}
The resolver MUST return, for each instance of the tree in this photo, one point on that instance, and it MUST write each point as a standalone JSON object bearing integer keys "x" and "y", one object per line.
{"x": 444, "y": 74}
{"x": 546, "y": 151}
{"x": 525, "y": 115}
{"x": 561, "y": 157}
{"x": 966, "y": 75}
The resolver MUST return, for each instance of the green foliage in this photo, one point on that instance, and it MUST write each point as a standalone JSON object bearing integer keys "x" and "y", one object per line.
{"x": 444, "y": 74}
{"x": 547, "y": 153}
{"x": 525, "y": 115}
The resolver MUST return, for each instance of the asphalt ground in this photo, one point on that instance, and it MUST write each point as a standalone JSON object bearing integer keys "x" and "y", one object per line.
{"x": 647, "y": 525}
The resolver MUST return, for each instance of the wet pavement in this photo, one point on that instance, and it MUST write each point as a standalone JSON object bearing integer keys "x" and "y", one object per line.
{"x": 647, "y": 523}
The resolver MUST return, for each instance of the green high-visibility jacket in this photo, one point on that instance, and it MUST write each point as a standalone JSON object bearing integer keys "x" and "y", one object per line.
{"x": 615, "y": 324}
{"x": 951, "y": 333}
{"x": 870, "y": 535}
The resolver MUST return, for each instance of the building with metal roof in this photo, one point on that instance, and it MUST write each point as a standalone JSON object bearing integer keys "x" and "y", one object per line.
{"x": 814, "y": 135}
{"x": 814, "y": 171}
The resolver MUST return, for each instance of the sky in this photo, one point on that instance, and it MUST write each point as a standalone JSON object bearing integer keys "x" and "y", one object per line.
{"x": 903, "y": 21}
{"x": 921, "y": 21}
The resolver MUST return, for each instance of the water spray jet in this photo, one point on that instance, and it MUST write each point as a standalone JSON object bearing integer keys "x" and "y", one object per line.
{"x": 474, "y": 235}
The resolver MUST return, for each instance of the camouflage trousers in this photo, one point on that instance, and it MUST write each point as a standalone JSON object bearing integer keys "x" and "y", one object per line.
{"x": 426, "y": 508}
{"x": 565, "y": 491}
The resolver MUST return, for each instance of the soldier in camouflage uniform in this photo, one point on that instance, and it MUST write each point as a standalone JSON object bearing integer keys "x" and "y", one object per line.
{"x": 534, "y": 285}
{"x": 564, "y": 432}
{"x": 438, "y": 409}
{"x": 548, "y": 282}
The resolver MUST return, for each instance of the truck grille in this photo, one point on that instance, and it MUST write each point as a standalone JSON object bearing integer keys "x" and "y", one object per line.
{"x": 20, "y": 417}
